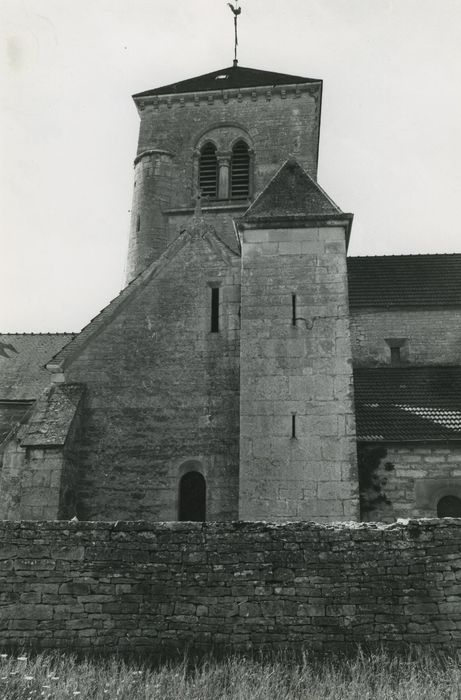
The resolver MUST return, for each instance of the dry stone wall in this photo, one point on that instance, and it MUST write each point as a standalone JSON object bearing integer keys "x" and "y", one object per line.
{"x": 158, "y": 587}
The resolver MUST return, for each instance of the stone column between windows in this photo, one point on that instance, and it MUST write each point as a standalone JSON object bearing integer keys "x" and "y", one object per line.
{"x": 223, "y": 177}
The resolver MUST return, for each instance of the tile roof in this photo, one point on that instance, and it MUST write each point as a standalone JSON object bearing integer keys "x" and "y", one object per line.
{"x": 408, "y": 404}
{"x": 227, "y": 79}
{"x": 22, "y": 362}
{"x": 404, "y": 280}
{"x": 291, "y": 193}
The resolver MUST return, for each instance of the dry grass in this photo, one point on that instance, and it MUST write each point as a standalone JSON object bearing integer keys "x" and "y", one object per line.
{"x": 419, "y": 676}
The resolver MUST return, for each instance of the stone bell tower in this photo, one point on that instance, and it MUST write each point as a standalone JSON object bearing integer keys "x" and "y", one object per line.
{"x": 224, "y": 133}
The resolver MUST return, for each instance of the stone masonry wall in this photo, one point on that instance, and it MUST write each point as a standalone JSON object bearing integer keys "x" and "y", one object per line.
{"x": 296, "y": 376}
{"x": 30, "y": 482}
{"x": 162, "y": 393}
{"x": 414, "y": 479}
{"x": 158, "y": 587}
{"x": 277, "y": 126}
{"x": 434, "y": 336}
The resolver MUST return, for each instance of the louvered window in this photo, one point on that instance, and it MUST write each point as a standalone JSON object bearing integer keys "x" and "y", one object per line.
{"x": 240, "y": 171}
{"x": 208, "y": 171}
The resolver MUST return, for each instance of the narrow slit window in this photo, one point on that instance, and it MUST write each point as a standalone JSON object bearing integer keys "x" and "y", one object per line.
{"x": 240, "y": 171}
{"x": 293, "y": 309}
{"x": 208, "y": 171}
{"x": 293, "y": 426}
{"x": 395, "y": 355}
{"x": 215, "y": 309}
{"x": 138, "y": 223}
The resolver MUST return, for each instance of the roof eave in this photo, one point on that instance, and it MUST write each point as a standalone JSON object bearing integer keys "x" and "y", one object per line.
{"x": 141, "y": 98}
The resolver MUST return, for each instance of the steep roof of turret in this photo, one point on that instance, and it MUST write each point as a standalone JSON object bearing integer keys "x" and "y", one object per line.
{"x": 291, "y": 193}
{"x": 228, "y": 78}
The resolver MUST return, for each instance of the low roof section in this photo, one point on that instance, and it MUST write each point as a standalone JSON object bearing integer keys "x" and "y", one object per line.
{"x": 23, "y": 357}
{"x": 404, "y": 280}
{"x": 408, "y": 404}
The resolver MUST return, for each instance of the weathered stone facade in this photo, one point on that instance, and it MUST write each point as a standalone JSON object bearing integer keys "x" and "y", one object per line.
{"x": 431, "y": 336}
{"x": 162, "y": 391}
{"x": 157, "y": 588}
{"x": 412, "y": 479}
{"x": 297, "y": 448}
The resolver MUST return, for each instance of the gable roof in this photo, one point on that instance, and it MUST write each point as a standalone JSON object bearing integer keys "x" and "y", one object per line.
{"x": 22, "y": 363}
{"x": 404, "y": 280}
{"x": 408, "y": 404}
{"x": 228, "y": 78}
{"x": 198, "y": 227}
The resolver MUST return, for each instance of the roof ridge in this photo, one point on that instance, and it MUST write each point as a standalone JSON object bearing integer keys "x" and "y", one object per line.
{"x": 403, "y": 255}
{"x": 406, "y": 368}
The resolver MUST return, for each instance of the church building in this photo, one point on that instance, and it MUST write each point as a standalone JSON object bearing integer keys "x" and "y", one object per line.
{"x": 249, "y": 369}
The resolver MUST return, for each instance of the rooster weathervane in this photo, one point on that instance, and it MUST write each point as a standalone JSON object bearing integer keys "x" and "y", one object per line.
{"x": 236, "y": 11}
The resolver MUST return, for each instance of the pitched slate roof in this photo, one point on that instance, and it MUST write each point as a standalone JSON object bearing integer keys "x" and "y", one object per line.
{"x": 404, "y": 280}
{"x": 226, "y": 79}
{"x": 408, "y": 404}
{"x": 22, "y": 363}
{"x": 291, "y": 193}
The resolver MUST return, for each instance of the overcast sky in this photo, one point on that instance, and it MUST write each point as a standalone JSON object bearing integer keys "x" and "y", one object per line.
{"x": 390, "y": 148}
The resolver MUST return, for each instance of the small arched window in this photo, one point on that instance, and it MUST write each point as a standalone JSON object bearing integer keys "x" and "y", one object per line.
{"x": 240, "y": 171}
{"x": 192, "y": 497}
{"x": 208, "y": 171}
{"x": 449, "y": 507}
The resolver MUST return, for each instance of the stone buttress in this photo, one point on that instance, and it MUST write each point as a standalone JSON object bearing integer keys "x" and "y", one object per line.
{"x": 297, "y": 427}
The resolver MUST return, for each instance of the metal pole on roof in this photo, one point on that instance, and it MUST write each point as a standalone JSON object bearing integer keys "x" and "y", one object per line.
{"x": 236, "y": 11}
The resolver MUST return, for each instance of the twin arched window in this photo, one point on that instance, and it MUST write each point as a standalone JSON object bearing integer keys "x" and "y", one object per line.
{"x": 224, "y": 176}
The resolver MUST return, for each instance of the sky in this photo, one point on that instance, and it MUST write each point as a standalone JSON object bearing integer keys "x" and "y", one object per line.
{"x": 390, "y": 144}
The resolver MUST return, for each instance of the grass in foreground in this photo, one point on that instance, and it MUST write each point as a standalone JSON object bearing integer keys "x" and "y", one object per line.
{"x": 419, "y": 676}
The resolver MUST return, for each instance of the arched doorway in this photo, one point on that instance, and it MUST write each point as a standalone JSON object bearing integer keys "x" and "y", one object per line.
{"x": 449, "y": 507}
{"x": 192, "y": 497}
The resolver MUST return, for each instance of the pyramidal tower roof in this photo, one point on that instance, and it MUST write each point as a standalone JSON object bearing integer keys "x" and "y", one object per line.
{"x": 291, "y": 193}
{"x": 228, "y": 78}
{"x": 293, "y": 196}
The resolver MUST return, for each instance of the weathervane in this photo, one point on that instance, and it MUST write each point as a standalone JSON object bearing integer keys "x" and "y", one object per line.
{"x": 236, "y": 11}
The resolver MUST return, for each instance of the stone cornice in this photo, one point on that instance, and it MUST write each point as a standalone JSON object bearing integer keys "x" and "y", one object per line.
{"x": 208, "y": 208}
{"x": 208, "y": 97}
{"x": 152, "y": 152}
{"x": 299, "y": 221}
